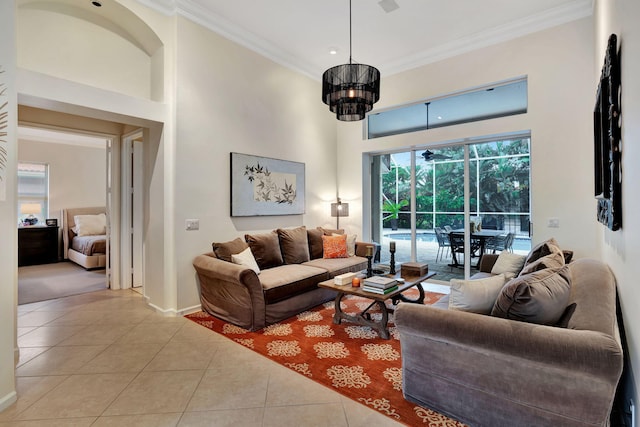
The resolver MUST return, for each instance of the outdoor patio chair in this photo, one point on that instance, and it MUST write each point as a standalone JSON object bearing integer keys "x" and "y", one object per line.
{"x": 443, "y": 242}
{"x": 456, "y": 240}
{"x": 500, "y": 243}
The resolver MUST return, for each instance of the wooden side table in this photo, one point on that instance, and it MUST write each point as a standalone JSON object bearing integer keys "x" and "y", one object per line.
{"x": 37, "y": 245}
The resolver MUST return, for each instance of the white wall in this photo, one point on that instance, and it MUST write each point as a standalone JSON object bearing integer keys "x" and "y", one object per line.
{"x": 621, "y": 249}
{"x": 232, "y": 99}
{"x": 78, "y": 50}
{"x": 8, "y": 216}
{"x": 558, "y": 64}
{"x": 73, "y": 95}
{"x": 77, "y": 174}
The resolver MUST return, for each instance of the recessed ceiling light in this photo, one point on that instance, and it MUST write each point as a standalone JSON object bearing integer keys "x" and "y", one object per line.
{"x": 439, "y": 117}
{"x": 333, "y": 50}
{"x": 96, "y": 3}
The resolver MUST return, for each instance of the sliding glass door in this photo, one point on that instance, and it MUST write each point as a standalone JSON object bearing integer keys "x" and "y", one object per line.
{"x": 419, "y": 202}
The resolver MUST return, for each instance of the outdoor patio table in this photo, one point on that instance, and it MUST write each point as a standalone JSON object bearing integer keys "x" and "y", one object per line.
{"x": 481, "y": 236}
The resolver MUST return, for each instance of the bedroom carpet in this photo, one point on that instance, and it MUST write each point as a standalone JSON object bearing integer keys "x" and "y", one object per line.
{"x": 352, "y": 360}
{"x": 50, "y": 281}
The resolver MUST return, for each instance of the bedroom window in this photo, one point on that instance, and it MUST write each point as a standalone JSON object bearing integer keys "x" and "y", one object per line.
{"x": 33, "y": 191}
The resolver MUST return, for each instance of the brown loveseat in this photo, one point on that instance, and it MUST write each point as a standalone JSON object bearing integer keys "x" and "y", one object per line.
{"x": 494, "y": 371}
{"x": 291, "y": 263}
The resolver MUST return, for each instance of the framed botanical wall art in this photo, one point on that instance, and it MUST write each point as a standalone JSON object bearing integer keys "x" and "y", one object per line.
{"x": 607, "y": 139}
{"x": 266, "y": 186}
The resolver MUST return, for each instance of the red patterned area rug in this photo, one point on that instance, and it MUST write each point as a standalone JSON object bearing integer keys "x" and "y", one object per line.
{"x": 351, "y": 359}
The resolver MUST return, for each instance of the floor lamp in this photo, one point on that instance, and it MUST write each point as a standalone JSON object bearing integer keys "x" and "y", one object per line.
{"x": 339, "y": 209}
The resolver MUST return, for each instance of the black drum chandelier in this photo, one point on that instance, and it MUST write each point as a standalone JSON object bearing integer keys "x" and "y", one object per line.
{"x": 350, "y": 90}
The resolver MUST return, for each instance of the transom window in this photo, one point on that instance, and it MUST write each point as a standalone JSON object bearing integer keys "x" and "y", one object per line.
{"x": 478, "y": 104}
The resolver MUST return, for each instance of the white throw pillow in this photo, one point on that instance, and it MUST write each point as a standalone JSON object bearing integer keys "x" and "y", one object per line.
{"x": 90, "y": 225}
{"x": 476, "y": 296}
{"x": 351, "y": 243}
{"x": 508, "y": 264}
{"x": 246, "y": 258}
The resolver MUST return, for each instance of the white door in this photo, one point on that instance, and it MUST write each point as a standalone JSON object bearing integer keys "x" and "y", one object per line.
{"x": 132, "y": 210}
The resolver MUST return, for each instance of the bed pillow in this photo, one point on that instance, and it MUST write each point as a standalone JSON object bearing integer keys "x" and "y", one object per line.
{"x": 540, "y": 297}
{"x": 90, "y": 225}
{"x": 224, "y": 250}
{"x": 475, "y": 296}
{"x": 246, "y": 259}
{"x": 294, "y": 244}
{"x": 265, "y": 248}
{"x": 508, "y": 264}
{"x": 334, "y": 246}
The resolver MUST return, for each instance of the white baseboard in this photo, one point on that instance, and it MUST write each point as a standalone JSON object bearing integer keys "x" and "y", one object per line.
{"x": 172, "y": 312}
{"x": 8, "y": 400}
{"x": 190, "y": 310}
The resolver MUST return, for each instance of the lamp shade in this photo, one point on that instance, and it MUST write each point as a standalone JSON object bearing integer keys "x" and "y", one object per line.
{"x": 339, "y": 209}
{"x": 350, "y": 90}
{"x": 30, "y": 208}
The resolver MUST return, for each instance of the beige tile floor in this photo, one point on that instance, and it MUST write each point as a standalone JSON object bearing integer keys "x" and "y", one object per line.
{"x": 106, "y": 359}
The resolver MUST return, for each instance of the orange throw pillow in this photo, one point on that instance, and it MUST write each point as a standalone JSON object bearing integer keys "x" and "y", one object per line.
{"x": 335, "y": 246}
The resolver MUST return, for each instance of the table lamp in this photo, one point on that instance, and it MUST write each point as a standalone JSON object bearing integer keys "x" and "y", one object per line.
{"x": 30, "y": 209}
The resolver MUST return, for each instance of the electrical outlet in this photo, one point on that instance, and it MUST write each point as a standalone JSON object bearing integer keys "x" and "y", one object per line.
{"x": 192, "y": 224}
{"x": 553, "y": 223}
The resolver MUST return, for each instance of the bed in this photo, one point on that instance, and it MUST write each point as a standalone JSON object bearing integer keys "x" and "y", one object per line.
{"x": 84, "y": 236}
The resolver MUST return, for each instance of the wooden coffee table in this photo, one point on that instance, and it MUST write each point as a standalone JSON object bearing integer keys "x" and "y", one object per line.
{"x": 364, "y": 317}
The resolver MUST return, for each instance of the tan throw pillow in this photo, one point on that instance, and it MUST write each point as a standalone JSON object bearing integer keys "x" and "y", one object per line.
{"x": 554, "y": 260}
{"x": 331, "y": 231}
{"x": 508, "y": 264}
{"x": 542, "y": 249}
{"x": 226, "y": 249}
{"x": 246, "y": 259}
{"x": 540, "y": 297}
{"x": 351, "y": 243}
{"x": 334, "y": 246}
{"x": 265, "y": 248}
{"x": 294, "y": 245}
{"x": 475, "y": 296}
{"x": 314, "y": 237}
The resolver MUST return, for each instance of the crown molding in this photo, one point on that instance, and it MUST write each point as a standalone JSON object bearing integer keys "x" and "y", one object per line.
{"x": 193, "y": 11}
{"x": 573, "y": 11}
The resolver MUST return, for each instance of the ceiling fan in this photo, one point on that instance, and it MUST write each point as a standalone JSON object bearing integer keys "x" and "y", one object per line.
{"x": 430, "y": 155}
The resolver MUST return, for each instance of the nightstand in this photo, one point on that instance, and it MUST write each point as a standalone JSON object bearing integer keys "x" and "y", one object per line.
{"x": 37, "y": 245}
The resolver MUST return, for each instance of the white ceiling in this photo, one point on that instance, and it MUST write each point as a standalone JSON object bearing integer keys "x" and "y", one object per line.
{"x": 300, "y": 33}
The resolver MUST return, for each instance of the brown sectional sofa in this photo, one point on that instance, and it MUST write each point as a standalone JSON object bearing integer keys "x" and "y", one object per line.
{"x": 488, "y": 370}
{"x": 286, "y": 284}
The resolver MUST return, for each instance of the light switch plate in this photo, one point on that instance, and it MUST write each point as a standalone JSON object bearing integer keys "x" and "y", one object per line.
{"x": 192, "y": 224}
{"x": 553, "y": 223}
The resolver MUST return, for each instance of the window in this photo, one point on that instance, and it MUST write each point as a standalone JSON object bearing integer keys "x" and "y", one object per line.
{"x": 416, "y": 193}
{"x": 33, "y": 191}
{"x": 480, "y": 104}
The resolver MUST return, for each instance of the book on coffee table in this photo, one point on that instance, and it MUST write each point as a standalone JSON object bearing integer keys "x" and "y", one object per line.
{"x": 380, "y": 282}
{"x": 379, "y": 291}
